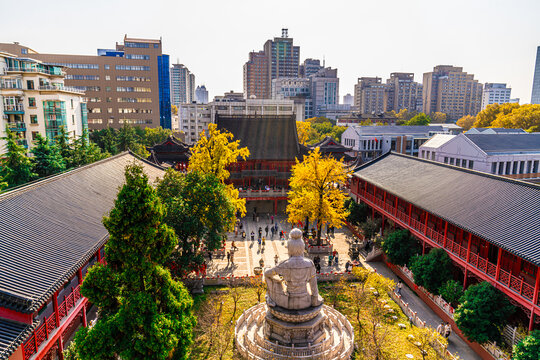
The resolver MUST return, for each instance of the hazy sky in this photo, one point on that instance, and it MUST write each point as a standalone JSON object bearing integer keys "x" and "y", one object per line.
{"x": 495, "y": 40}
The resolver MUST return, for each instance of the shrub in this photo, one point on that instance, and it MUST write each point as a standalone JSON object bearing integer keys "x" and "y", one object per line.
{"x": 431, "y": 271}
{"x": 528, "y": 348}
{"x": 483, "y": 313}
{"x": 400, "y": 246}
{"x": 370, "y": 227}
{"x": 451, "y": 291}
{"x": 357, "y": 212}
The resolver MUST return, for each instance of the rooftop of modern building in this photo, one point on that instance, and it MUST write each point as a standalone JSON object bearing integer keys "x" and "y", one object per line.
{"x": 438, "y": 140}
{"x": 496, "y": 130}
{"x": 500, "y": 210}
{"x": 52, "y": 227}
{"x": 502, "y": 143}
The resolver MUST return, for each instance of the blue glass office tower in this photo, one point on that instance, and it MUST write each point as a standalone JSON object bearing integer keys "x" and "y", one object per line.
{"x": 535, "y": 98}
{"x": 164, "y": 92}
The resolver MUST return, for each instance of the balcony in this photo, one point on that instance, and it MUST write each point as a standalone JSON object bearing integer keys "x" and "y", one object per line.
{"x": 48, "y": 328}
{"x": 11, "y": 85}
{"x": 60, "y": 88}
{"x": 479, "y": 265}
{"x": 263, "y": 193}
{"x": 36, "y": 70}
{"x": 14, "y": 109}
{"x": 16, "y": 126}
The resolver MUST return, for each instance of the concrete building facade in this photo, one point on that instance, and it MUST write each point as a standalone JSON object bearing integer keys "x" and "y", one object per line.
{"x": 324, "y": 88}
{"x": 182, "y": 85}
{"x": 129, "y": 84}
{"x": 495, "y": 94}
{"x": 515, "y": 155}
{"x": 34, "y": 100}
{"x": 450, "y": 90}
{"x": 369, "y": 94}
{"x": 402, "y": 92}
{"x": 309, "y": 67}
{"x": 201, "y": 95}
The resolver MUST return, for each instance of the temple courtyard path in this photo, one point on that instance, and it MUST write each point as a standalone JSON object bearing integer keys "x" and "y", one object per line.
{"x": 249, "y": 254}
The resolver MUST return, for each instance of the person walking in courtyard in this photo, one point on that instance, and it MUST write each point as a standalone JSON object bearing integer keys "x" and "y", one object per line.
{"x": 252, "y": 235}
{"x": 440, "y": 328}
{"x": 273, "y": 231}
{"x": 243, "y": 235}
{"x": 266, "y": 230}
{"x": 348, "y": 266}
{"x": 233, "y": 246}
{"x": 263, "y": 241}
{"x": 276, "y": 259}
{"x": 447, "y": 330}
{"x": 235, "y": 230}
{"x": 228, "y": 258}
{"x": 272, "y": 218}
{"x": 259, "y": 242}
{"x": 260, "y": 232}
{"x": 398, "y": 287}
{"x": 232, "y": 258}
{"x": 336, "y": 258}
{"x": 330, "y": 258}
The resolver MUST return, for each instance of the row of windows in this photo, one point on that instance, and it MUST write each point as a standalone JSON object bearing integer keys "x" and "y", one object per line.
{"x": 133, "y": 89}
{"x": 514, "y": 167}
{"x": 458, "y": 162}
{"x": 350, "y": 142}
{"x": 137, "y": 57}
{"x": 88, "y": 88}
{"x": 82, "y": 77}
{"x": 134, "y": 111}
{"x": 135, "y": 100}
{"x": 132, "y": 78}
{"x": 133, "y": 67}
{"x": 77, "y": 66}
{"x": 121, "y": 121}
{"x": 139, "y": 45}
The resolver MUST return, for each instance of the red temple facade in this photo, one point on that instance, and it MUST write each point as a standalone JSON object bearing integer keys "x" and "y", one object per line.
{"x": 489, "y": 225}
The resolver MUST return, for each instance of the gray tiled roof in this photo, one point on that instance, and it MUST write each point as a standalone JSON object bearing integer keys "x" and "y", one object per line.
{"x": 502, "y": 211}
{"x": 50, "y": 228}
{"x": 266, "y": 137}
{"x": 12, "y": 334}
{"x": 506, "y": 142}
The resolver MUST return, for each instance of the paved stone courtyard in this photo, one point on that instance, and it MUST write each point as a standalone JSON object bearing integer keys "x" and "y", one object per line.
{"x": 249, "y": 253}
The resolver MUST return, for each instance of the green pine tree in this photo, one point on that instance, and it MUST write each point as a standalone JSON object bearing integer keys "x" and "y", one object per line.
{"x": 144, "y": 313}
{"x": 47, "y": 159}
{"x": 64, "y": 145}
{"x": 15, "y": 166}
{"x": 85, "y": 151}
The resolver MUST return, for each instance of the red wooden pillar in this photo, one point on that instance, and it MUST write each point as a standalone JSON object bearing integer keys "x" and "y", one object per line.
{"x": 498, "y": 271}
{"x": 60, "y": 348}
{"x": 84, "y": 320}
{"x": 55, "y": 306}
{"x": 99, "y": 255}
{"x": 445, "y": 232}
{"x": 384, "y": 197}
{"x": 535, "y": 297}
{"x": 410, "y": 213}
{"x": 79, "y": 275}
{"x": 469, "y": 248}
{"x": 425, "y": 224}
{"x": 423, "y": 247}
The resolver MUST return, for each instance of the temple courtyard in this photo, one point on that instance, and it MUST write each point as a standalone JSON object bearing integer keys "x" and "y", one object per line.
{"x": 248, "y": 254}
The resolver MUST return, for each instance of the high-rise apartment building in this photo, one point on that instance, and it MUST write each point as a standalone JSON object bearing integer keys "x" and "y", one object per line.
{"x": 279, "y": 58}
{"x": 309, "y": 67}
{"x": 324, "y": 85}
{"x": 128, "y": 84}
{"x": 402, "y": 92}
{"x": 256, "y": 76}
{"x": 495, "y": 94}
{"x": 182, "y": 85}
{"x": 348, "y": 99}
{"x": 201, "y": 95}
{"x": 450, "y": 90}
{"x": 34, "y": 100}
{"x": 535, "y": 98}
{"x": 369, "y": 94}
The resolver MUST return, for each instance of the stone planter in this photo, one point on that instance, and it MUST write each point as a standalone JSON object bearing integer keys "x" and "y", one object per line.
{"x": 257, "y": 270}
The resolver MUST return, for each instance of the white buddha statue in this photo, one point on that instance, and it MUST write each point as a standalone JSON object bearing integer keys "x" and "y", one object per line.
{"x": 292, "y": 284}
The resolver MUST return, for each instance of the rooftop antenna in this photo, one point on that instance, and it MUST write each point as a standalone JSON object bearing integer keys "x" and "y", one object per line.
{"x": 284, "y": 33}
{"x": 323, "y": 62}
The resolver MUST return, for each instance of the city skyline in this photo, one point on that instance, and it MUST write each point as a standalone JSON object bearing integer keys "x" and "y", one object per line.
{"x": 494, "y": 42}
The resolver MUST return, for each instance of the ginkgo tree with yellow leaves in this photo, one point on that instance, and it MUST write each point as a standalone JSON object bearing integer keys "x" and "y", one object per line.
{"x": 316, "y": 193}
{"x": 213, "y": 153}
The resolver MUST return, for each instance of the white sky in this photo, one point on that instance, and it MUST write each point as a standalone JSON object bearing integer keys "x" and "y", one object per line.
{"x": 495, "y": 40}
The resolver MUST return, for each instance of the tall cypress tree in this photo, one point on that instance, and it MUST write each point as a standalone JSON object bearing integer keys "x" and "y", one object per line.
{"x": 144, "y": 313}
{"x": 15, "y": 166}
{"x": 47, "y": 159}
